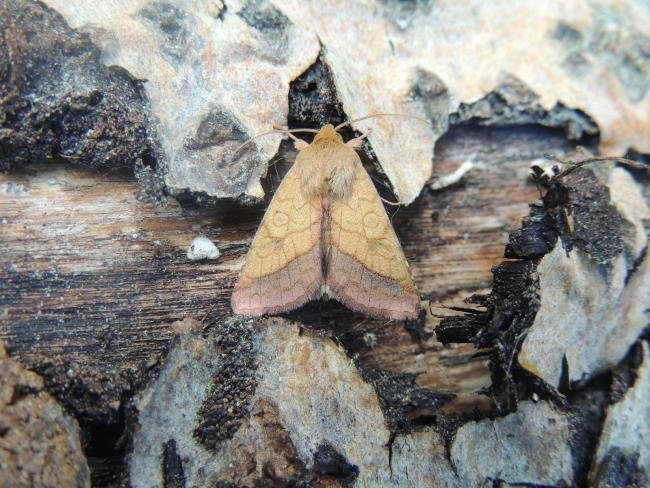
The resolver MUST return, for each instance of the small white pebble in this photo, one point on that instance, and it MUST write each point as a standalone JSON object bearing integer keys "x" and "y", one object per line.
{"x": 202, "y": 248}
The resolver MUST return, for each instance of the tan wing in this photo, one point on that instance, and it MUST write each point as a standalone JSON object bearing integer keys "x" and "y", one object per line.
{"x": 366, "y": 267}
{"x": 283, "y": 267}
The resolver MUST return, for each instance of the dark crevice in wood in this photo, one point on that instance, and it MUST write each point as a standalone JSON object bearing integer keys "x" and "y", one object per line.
{"x": 513, "y": 104}
{"x": 401, "y": 399}
{"x": 637, "y": 156}
{"x": 391, "y": 442}
{"x": 313, "y": 98}
{"x": 20, "y": 392}
{"x": 172, "y": 468}
{"x": 331, "y": 466}
{"x": 416, "y": 329}
{"x": 233, "y": 384}
{"x": 643, "y": 255}
{"x": 587, "y": 405}
{"x": 112, "y": 349}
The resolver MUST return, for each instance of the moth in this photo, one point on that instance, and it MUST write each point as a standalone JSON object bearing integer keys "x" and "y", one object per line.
{"x": 326, "y": 233}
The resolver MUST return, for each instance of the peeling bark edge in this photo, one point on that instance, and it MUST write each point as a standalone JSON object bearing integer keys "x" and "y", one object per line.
{"x": 96, "y": 116}
{"x": 513, "y": 103}
{"x": 511, "y": 307}
{"x": 399, "y": 397}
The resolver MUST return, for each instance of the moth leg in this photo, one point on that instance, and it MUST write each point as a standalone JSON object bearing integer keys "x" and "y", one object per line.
{"x": 388, "y": 202}
{"x": 299, "y": 144}
{"x": 356, "y": 142}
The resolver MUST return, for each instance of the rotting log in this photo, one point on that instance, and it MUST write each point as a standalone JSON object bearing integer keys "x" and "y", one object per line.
{"x": 140, "y": 346}
{"x": 93, "y": 279}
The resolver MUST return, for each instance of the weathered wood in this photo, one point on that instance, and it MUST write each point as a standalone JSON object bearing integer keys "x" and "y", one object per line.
{"x": 91, "y": 275}
{"x": 93, "y": 281}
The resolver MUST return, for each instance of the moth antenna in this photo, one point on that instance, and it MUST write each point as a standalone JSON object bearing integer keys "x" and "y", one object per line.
{"x": 276, "y": 130}
{"x": 380, "y": 115}
{"x": 358, "y": 141}
{"x": 299, "y": 144}
{"x": 289, "y": 131}
{"x": 248, "y": 141}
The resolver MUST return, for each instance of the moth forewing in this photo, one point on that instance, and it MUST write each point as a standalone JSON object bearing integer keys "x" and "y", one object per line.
{"x": 367, "y": 269}
{"x": 326, "y": 230}
{"x": 282, "y": 269}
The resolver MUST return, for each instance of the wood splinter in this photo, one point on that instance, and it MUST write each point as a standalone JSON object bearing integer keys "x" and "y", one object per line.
{"x": 326, "y": 233}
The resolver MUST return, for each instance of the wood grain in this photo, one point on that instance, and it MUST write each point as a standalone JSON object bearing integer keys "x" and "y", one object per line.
{"x": 90, "y": 274}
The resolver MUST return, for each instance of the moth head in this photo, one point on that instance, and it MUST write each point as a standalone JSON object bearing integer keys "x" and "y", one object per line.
{"x": 328, "y": 132}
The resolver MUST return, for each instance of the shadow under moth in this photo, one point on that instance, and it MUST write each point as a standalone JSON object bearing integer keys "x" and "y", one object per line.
{"x": 326, "y": 233}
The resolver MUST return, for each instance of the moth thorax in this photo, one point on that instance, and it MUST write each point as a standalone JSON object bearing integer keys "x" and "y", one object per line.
{"x": 328, "y": 180}
{"x": 339, "y": 180}
{"x": 313, "y": 181}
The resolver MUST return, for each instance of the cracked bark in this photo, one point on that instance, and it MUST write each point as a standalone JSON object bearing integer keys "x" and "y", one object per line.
{"x": 127, "y": 257}
{"x": 93, "y": 284}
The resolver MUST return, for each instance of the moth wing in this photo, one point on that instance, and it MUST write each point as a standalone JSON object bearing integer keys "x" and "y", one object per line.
{"x": 283, "y": 267}
{"x": 366, "y": 267}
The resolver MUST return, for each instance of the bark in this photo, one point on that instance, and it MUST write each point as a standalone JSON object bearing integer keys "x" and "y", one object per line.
{"x": 503, "y": 378}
